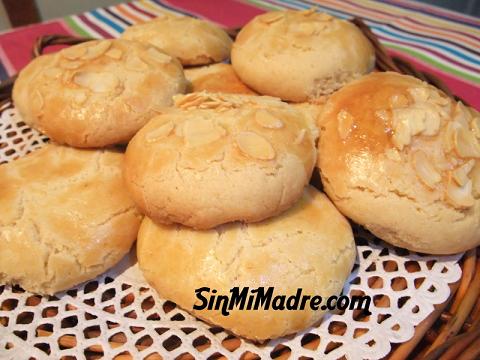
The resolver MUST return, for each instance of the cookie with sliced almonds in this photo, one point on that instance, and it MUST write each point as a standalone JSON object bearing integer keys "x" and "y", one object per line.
{"x": 97, "y": 93}
{"x": 218, "y": 158}
{"x": 401, "y": 158}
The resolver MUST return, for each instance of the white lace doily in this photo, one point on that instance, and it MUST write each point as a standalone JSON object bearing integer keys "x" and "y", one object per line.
{"x": 117, "y": 314}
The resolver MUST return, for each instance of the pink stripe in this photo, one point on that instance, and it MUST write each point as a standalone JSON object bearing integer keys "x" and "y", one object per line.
{"x": 462, "y": 89}
{"x": 17, "y": 45}
{"x": 9, "y": 68}
{"x": 228, "y": 13}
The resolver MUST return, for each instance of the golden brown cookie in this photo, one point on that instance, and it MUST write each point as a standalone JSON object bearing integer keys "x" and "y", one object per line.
{"x": 402, "y": 159}
{"x": 219, "y": 158}
{"x": 97, "y": 93}
{"x": 216, "y": 78}
{"x": 309, "y": 247}
{"x": 192, "y": 41}
{"x": 300, "y": 55}
{"x": 66, "y": 217}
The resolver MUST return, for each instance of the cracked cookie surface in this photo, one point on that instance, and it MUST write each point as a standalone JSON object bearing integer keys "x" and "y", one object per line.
{"x": 66, "y": 217}
{"x": 97, "y": 93}
{"x": 192, "y": 41}
{"x": 218, "y": 158}
{"x": 401, "y": 158}
{"x": 310, "y": 246}
{"x": 300, "y": 55}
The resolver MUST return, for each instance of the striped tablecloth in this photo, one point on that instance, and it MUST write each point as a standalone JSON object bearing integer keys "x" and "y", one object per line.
{"x": 442, "y": 42}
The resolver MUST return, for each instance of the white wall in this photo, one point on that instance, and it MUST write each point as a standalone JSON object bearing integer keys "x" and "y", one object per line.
{"x": 50, "y": 9}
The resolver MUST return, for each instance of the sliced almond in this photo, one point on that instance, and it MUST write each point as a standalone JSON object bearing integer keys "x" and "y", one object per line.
{"x": 96, "y": 50}
{"x": 160, "y": 132}
{"x": 267, "y": 120}
{"x": 114, "y": 54}
{"x": 475, "y": 126}
{"x": 71, "y": 65}
{"x": 201, "y": 132}
{"x": 460, "y": 197}
{"x": 158, "y": 56}
{"x": 401, "y": 135}
{"x": 345, "y": 122}
{"x": 475, "y": 175}
{"x": 431, "y": 122}
{"x": 398, "y": 101}
{"x": 308, "y": 12}
{"x": 52, "y": 72}
{"x": 37, "y": 101}
{"x": 425, "y": 169}
{"x": 74, "y": 52}
{"x": 305, "y": 28}
{"x": 460, "y": 174}
{"x": 300, "y": 137}
{"x": 98, "y": 82}
{"x": 255, "y": 146}
{"x": 419, "y": 94}
{"x": 465, "y": 143}
{"x": 134, "y": 63}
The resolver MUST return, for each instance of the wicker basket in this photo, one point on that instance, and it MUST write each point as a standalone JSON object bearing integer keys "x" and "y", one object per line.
{"x": 451, "y": 331}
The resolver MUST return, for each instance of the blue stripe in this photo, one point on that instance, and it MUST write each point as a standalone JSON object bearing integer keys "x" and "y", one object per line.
{"x": 422, "y": 41}
{"x": 305, "y": 4}
{"x": 107, "y": 21}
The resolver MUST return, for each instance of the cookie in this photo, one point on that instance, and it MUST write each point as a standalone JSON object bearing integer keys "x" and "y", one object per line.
{"x": 97, "y": 93}
{"x": 309, "y": 247}
{"x": 192, "y": 41}
{"x": 218, "y": 158}
{"x": 66, "y": 217}
{"x": 399, "y": 157}
{"x": 216, "y": 78}
{"x": 300, "y": 55}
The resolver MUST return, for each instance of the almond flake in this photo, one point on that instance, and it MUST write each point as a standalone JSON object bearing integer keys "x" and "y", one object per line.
{"x": 460, "y": 197}
{"x": 255, "y": 146}
{"x": 201, "y": 132}
{"x": 97, "y": 82}
{"x": 97, "y": 49}
{"x": 465, "y": 143}
{"x": 299, "y": 139}
{"x": 52, "y": 72}
{"x": 425, "y": 170}
{"x": 71, "y": 65}
{"x": 114, "y": 54}
{"x": 267, "y": 120}
{"x": 345, "y": 123}
{"x": 37, "y": 101}
{"x": 158, "y": 56}
{"x": 74, "y": 52}
{"x": 398, "y": 100}
{"x": 160, "y": 132}
{"x": 419, "y": 94}
{"x": 134, "y": 63}
{"x": 460, "y": 174}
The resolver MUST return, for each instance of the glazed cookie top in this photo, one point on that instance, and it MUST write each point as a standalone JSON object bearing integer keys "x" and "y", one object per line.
{"x": 401, "y": 140}
{"x": 218, "y": 158}
{"x": 192, "y": 41}
{"x": 97, "y": 93}
{"x": 300, "y": 55}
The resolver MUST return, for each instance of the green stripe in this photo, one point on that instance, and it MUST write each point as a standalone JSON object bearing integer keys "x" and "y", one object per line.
{"x": 74, "y": 26}
{"x": 264, "y": 5}
{"x": 435, "y": 63}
